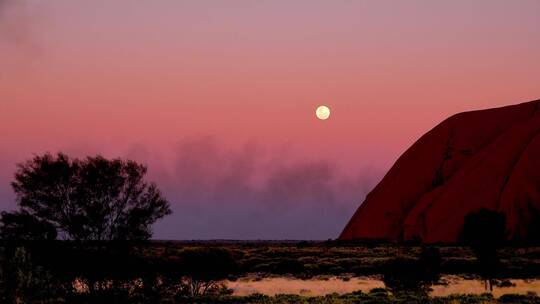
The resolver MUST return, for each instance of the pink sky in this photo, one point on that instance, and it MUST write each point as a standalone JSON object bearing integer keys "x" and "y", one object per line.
{"x": 144, "y": 79}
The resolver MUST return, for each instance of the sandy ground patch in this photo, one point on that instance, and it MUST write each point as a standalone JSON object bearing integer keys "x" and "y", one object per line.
{"x": 318, "y": 286}
{"x": 311, "y": 287}
{"x": 458, "y": 285}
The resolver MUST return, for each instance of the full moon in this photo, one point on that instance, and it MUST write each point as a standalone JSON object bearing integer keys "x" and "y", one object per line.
{"x": 322, "y": 112}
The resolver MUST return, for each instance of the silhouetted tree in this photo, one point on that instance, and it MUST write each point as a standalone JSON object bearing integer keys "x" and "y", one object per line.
{"x": 413, "y": 275}
{"x": 203, "y": 268}
{"x": 24, "y": 226}
{"x": 485, "y": 232}
{"x": 89, "y": 199}
{"x": 532, "y": 235}
{"x": 430, "y": 264}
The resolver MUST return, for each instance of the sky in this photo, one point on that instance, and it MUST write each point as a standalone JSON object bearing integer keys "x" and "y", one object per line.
{"x": 218, "y": 97}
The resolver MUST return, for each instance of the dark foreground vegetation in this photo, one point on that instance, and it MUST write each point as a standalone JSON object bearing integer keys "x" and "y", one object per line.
{"x": 305, "y": 259}
{"x": 187, "y": 272}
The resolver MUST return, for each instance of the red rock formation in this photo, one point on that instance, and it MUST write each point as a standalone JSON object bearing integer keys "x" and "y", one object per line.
{"x": 480, "y": 159}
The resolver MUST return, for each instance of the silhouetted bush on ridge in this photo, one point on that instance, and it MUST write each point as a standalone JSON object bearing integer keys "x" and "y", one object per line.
{"x": 82, "y": 199}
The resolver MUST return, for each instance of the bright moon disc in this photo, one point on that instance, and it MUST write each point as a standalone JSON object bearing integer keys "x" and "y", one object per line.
{"x": 322, "y": 112}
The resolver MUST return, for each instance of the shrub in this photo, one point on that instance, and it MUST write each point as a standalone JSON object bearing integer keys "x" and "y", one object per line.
{"x": 203, "y": 268}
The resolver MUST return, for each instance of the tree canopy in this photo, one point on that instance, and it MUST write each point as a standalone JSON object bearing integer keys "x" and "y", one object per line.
{"x": 83, "y": 199}
{"x": 485, "y": 231}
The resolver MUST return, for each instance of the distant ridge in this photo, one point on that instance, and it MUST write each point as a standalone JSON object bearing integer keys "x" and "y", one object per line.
{"x": 472, "y": 160}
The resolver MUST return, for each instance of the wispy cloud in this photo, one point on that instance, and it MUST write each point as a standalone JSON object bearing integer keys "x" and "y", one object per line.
{"x": 251, "y": 193}
{"x": 248, "y": 191}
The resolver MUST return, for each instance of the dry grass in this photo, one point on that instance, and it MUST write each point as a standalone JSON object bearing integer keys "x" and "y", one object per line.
{"x": 311, "y": 287}
{"x": 458, "y": 285}
{"x": 319, "y": 287}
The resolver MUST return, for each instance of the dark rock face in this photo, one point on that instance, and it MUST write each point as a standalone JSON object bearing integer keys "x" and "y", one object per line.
{"x": 480, "y": 159}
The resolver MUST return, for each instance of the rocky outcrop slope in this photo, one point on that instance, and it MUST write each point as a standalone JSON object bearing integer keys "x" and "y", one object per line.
{"x": 480, "y": 159}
